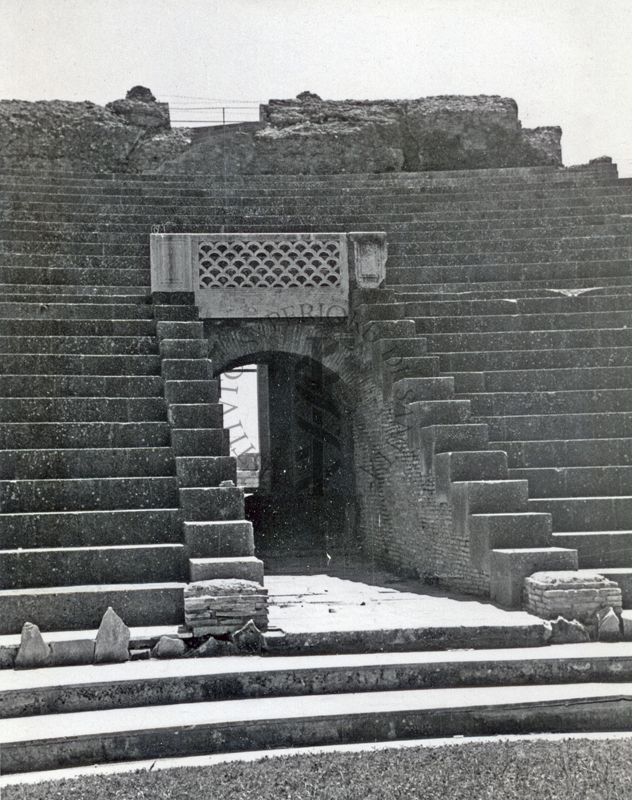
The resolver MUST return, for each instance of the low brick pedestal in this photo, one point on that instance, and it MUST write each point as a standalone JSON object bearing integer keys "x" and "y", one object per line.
{"x": 571, "y": 595}
{"x": 218, "y": 607}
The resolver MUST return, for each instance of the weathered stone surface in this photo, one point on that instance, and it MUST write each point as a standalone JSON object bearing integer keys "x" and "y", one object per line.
{"x": 33, "y": 652}
{"x": 112, "y": 642}
{"x": 214, "y": 647}
{"x": 168, "y": 647}
{"x": 71, "y": 652}
{"x": 565, "y": 631}
{"x": 608, "y": 625}
{"x": 223, "y": 606}
{"x": 131, "y": 136}
{"x": 141, "y": 93}
{"x": 248, "y": 639}
{"x": 141, "y": 114}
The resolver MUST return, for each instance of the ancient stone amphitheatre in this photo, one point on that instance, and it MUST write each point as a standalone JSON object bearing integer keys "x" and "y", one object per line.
{"x": 432, "y": 536}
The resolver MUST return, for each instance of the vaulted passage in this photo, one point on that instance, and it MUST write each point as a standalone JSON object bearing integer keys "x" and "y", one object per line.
{"x": 301, "y": 505}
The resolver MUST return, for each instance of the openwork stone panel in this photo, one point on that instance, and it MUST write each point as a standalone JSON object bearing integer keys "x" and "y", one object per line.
{"x": 242, "y": 275}
{"x": 266, "y": 264}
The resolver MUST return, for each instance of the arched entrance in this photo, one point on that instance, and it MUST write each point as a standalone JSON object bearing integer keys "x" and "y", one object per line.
{"x": 302, "y": 506}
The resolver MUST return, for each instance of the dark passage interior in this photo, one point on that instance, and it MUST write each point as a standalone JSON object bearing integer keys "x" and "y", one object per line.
{"x": 302, "y": 509}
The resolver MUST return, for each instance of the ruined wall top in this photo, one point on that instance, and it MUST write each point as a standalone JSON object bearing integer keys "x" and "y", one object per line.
{"x": 304, "y": 135}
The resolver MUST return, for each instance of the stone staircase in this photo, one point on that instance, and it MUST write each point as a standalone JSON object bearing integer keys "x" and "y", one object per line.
{"x": 161, "y": 709}
{"x": 112, "y": 446}
{"x": 503, "y": 344}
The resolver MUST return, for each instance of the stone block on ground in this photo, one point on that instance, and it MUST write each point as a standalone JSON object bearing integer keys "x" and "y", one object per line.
{"x": 33, "y": 651}
{"x": 510, "y": 567}
{"x": 573, "y": 595}
{"x": 112, "y": 642}
{"x": 168, "y": 647}
{"x": 248, "y": 639}
{"x": 608, "y": 625}
{"x": 223, "y": 606}
{"x": 564, "y": 631}
{"x": 213, "y": 648}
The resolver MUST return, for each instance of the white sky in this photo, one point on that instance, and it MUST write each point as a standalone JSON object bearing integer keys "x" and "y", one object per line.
{"x": 566, "y": 62}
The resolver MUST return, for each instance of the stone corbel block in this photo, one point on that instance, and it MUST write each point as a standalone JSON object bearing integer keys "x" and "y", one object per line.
{"x": 171, "y": 263}
{"x": 369, "y": 258}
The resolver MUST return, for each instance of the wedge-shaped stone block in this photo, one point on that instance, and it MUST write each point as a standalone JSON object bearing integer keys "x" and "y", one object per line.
{"x": 112, "y": 642}
{"x": 200, "y": 441}
{"x": 246, "y": 568}
{"x": 179, "y": 369}
{"x": 196, "y": 415}
{"x": 219, "y": 539}
{"x": 445, "y": 438}
{"x": 509, "y": 567}
{"x": 187, "y": 391}
{"x": 184, "y": 348}
{"x": 205, "y": 470}
{"x": 212, "y": 503}
{"x": 33, "y": 651}
{"x": 480, "y": 465}
{"x": 512, "y": 530}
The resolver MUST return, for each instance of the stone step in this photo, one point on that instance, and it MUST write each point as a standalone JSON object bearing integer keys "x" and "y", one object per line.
{"x": 205, "y": 470}
{"x": 493, "y": 272}
{"x": 83, "y": 328}
{"x": 508, "y": 568}
{"x": 87, "y": 409}
{"x": 535, "y": 361}
{"x": 219, "y": 539}
{"x": 609, "y": 425}
{"x": 19, "y": 293}
{"x": 105, "y": 462}
{"x": 525, "y": 322}
{"x": 75, "y": 311}
{"x": 489, "y": 497}
{"x": 82, "y": 607}
{"x": 83, "y": 494}
{"x": 91, "y": 528}
{"x": 569, "y": 481}
{"x": 246, "y": 568}
{"x": 488, "y": 532}
{"x": 579, "y": 228}
{"x": 69, "y": 566}
{"x": 77, "y": 292}
{"x": 566, "y": 452}
{"x": 577, "y": 401}
{"x": 87, "y": 345}
{"x": 599, "y": 548}
{"x": 78, "y": 364}
{"x": 504, "y": 290}
{"x": 524, "y": 340}
{"x": 585, "y": 513}
{"x": 610, "y": 301}
{"x": 85, "y": 386}
{"x": 317, "y": 195}
{"x": 55, "y": 690}
{"x": 90, "y": 277}
{"x": 543, "y": 380}
{"x": 30, "y": 435}
{"x": 33, "y": 743}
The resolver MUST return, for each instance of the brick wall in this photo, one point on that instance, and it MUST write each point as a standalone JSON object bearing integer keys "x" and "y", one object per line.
{"x": 399, "y": 519}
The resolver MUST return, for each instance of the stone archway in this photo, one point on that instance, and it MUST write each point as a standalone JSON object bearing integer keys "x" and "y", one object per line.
{"x": 303, "y": 510}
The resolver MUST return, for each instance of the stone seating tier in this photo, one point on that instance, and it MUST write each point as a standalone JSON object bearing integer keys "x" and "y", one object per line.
{"x": 485, "y": 276}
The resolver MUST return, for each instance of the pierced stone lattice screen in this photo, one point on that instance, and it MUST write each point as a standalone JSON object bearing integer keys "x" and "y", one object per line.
{"x": 241, "y": 275}
{"x": 266, "y": 264}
